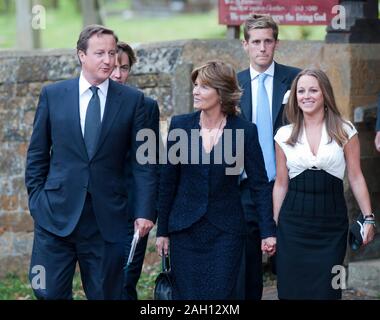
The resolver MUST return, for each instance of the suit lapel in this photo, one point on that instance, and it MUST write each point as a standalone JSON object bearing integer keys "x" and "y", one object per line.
{"x": 246, "y": 99}
{"x": 112, "y": 107}
{"x": 72, "y": 102}
{"x": 279, "y": 90}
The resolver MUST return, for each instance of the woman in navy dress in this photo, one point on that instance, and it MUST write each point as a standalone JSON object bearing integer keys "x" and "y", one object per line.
{"x": 312, "y": 153}
{"x": 199, "y": 201}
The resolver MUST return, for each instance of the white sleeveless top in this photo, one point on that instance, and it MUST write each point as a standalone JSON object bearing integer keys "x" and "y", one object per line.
{"x": 330, "y": 156}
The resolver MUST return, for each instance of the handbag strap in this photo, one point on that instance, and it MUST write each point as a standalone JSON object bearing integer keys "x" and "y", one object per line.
{"x": 165, "y": 262}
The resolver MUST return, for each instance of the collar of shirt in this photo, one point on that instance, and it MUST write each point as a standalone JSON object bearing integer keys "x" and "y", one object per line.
{"x": 255, "y": 74}
{"x": 84, "y": 85}
{"x": 85, "y": 95}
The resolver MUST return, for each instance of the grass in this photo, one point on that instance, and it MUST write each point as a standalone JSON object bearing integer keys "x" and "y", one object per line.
{"x": 184, "y": 26}
{"x": 14, "y": 287}
{"x": 145, "y": 286}
{"x": 8, "y": 31}
{"x": 17, "y": 287}
{"x": 64, "y": 24}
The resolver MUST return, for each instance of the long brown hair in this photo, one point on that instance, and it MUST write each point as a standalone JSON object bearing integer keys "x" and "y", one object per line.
{"x": 333, "y": 118}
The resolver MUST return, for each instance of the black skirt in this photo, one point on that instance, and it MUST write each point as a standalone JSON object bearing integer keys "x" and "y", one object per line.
{"x": 312, "y": 237}
{"x": 205, "y": 262}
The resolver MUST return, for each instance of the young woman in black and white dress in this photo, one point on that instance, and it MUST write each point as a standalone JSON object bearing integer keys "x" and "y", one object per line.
{"x": 312, "y": 153}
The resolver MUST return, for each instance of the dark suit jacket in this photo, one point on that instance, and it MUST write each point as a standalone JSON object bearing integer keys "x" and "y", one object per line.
{"x": 153, "y": 122}
{"x": 190, "y": 191}
{"x": 282, "y": 81}
{"x": 59, "y": 172}
{"x": 378, "y": 115}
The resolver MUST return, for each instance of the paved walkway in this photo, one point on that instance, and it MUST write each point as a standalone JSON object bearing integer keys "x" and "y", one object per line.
{"x": 270, "y": 293}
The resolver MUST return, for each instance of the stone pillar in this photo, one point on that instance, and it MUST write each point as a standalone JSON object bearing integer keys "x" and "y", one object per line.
{"x": 27, "y": 37}
{"x": 361, "y": 23}
{"x": 90, "y": 12}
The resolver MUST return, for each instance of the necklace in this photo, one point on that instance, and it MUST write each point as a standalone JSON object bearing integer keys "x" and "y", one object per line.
{"x": 207, "y": 133}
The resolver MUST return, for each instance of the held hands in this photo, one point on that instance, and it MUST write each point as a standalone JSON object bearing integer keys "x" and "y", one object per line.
{"x": 162, "y": 243}
{"x": 268, "y": 246}
{"x": 377, "y": 141}
{"x": 144, "y": 226}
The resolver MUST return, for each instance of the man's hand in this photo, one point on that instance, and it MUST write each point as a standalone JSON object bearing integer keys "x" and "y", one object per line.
{"x": 268, "y": 246}
{"x": 377, "y": 141}
{"x": 144, "y": 226}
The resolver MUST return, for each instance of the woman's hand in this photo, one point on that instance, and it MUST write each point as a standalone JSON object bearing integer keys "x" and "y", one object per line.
{"x": 377, "y": 141}
{"x": 369, "y": 233}
{"x": 268, "y": 246}
{"x": 162, "y": 243}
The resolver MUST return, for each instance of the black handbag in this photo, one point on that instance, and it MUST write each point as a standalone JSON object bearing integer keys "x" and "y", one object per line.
{"x": 163, "y": 289}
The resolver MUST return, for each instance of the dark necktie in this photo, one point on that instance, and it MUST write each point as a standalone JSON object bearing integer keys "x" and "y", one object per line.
{"x": 92, "y": 123}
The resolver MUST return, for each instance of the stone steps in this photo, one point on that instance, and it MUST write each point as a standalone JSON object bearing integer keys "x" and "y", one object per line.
{"x": 365, "y": 276}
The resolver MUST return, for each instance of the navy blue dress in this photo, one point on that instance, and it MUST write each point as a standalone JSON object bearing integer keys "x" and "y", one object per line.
{"x": 200, "y": 210}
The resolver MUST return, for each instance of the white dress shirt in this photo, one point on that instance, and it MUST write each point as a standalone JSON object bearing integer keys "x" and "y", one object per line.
{"x": 85, "y": 95}
{"x": 329, "y": 157}
{"x": 268, "y": 86}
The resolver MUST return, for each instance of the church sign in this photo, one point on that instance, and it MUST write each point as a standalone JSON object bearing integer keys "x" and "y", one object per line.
{"x": 289, "y": 12}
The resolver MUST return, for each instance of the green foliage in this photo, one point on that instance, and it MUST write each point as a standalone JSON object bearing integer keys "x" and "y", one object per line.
{"x": 302, "y": 32}
{"x": 145, "y": 286}
{"x": 8, "y": 31}
{"x": 14, "y": 287}
{"x": 65, "y": 23}
{"x": 7, "y": 6}
{"x": 176, "y": 27}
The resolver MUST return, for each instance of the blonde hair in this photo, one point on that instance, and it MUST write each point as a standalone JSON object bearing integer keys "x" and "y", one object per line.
{"x": 333, "y": 118}
{"x": 260, "y": 21}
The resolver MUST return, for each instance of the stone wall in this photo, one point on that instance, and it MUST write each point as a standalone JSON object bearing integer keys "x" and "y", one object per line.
{"x": 163, "y": 72}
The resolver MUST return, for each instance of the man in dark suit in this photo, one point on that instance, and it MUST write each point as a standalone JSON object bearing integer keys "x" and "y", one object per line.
{"x": 265, "y": 85}
{"x": 124, "y": 62}
{"x": 78, "y": 197}
{"x": 377, "y": 138}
